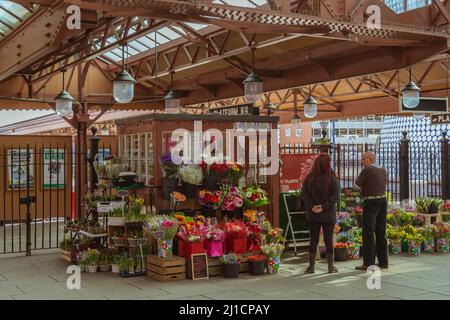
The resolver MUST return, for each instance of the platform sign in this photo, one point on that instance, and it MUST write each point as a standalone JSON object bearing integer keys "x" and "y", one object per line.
{"x": 443, "y": 118}
{"x": 426, "y": 105}
{"x": 241, "y": 109}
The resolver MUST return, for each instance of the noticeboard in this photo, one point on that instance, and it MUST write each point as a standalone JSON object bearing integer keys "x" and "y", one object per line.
{"x": 199, "y": 263}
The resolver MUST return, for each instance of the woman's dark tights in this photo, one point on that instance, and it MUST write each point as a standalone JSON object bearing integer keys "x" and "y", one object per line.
{"x": 314, "y": 230}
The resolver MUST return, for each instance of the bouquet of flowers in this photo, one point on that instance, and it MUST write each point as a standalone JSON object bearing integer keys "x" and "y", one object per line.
{"x": 235, "y": 229}
{"x": 169, "y": 169}
{"x": 191, "y": 174}
{"x": 219, "y": 170}
{"x": 275, "y": 235}
{"x": 342, "y": 237}
{"x": 232, "y": 199}
{"x": 170, "y": 228}
{"x": 215, "y": 234}
{"x": 446, "y": 207}
{"x": 358, "y": 210}
{"x": 355, "y": 235}
{"x": 255, "y": 197}
{"x": 210, "y": 199}
{"x": 272, "y": 250}
{"x": 254, "y": 235}
{"x": 347, "y": 223}
{"x": 341, "y": 245}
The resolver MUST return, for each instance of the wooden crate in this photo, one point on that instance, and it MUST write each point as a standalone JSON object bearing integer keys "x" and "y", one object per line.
{"x": 170, "y": 269}
{"x": 65, "y": 255}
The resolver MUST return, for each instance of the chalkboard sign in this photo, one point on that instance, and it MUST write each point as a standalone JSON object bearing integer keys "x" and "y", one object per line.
{"x": 351, "y": 198}
{"x": 199, "y": 263}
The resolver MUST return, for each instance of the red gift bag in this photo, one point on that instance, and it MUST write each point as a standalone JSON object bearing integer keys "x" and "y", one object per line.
{"x": 236, "y": 245}
{"x": 181, "y": 248}
{"x": 191, "y": 248}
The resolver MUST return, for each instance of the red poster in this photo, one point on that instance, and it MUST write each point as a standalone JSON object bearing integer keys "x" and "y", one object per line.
{"x": 295, "y": 168}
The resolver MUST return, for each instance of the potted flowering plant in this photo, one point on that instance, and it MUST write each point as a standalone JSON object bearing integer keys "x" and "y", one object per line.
{"x": 230, "y": 265}
{"x": 104, "y": 262}
{"x": 340, "y": 251}
{"x": 395, "y": 236}
{"x": 210, "y": 201}
{"x": 170, "y": 175}
{"x": 92, "y": 256}
{"x": 257, "y": 264}
{"x": 442, "y": 234}
{"x": 191, "y": 178}
{"x": 428, "y": 233}
{"x": 232, "y": 199}
{"x": 414, "y": 243}
{"x": 273, "y": 252}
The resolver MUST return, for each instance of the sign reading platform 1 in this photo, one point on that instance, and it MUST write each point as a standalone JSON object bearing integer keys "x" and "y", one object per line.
{"x": 443, "y": 118}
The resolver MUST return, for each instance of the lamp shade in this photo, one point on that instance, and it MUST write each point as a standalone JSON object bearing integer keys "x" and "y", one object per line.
{"x": 411, "y": 95}
{"x": 253, "y": 87}
{"x": 310, "y": 107}
{"x": 172, "y": 102}
{"x": 64, "y": 104}
{"x": 123, "y": 87}
{"x": 419, "y": 116}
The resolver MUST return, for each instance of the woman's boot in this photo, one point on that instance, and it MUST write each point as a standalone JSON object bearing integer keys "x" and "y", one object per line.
{"x": 312, "y": 262}
{"x": 331, "y": 267}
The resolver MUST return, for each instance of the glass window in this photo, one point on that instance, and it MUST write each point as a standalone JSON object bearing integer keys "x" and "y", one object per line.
{"x": 298, "y": 132}
{"x": 288, "y": 132}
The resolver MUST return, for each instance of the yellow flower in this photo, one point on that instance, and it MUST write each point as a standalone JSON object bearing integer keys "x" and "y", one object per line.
{"x": 235, "y": 167}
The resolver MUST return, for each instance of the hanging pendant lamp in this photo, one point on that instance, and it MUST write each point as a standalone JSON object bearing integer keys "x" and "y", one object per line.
{"x": 172, "y": 99}
{"x": 253, "y": 84}
{"x": 123, "y": 84}
{"x": 64, "y": 101}
{"x": 411, "y": 93}
{"x": 310, "y": 106}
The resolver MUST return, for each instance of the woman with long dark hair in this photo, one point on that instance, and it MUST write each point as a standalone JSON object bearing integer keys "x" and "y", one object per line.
{"x": 320, "y": 194}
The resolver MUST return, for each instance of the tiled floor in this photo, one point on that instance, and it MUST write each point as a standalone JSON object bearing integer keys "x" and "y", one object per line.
{"x": 42, "y": 276}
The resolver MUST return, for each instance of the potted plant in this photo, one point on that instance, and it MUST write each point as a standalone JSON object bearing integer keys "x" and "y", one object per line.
{"x": 103, "y": 263}
{"x": 395, "y": 236}
{"x": 118, "y": 239}
{"x": 428, "y": 233}
{"x": 273, "y": 253}
{"x": 123, "y": 265}
{"x": 191, "y": 178}
{"x": 82, "y": 261}
{"x": 442, "y": 234}
{"x": 230, "y": 265}
{"x": 340, "y": 251}
{"x": 414, "y": 243}
{"x": 131, "y": 265}
{"x": 428, "y": 205}
{"x": 116, "y": 217}
{"x": 257, "y": 264}
{"x": 92, "y": 256}
{"x": 170, "y": 175}
{"x": 134, "y": 236}
{"x": 115, "y": 263}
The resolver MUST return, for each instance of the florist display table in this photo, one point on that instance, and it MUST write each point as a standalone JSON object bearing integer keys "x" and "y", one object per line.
{"x": 428, "y": 216}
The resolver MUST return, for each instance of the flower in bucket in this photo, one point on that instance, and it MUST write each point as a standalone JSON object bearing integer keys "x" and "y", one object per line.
{"x": 169, "y": 169}
{"x": 257, "y": 258}
{"x": 341, "y": 245}
{"x": 210, "y": 199}
{"x": 235, "y": 229}
{"x": 176, "y": 199}
{"x": 229, "y": 259}
{"x": 442, "y": 231}
{"x": 191, "y": 174}
{"x": 235, "y": 172}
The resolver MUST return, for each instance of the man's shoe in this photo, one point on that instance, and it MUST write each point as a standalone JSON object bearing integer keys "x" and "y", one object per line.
{"x": 382, "y": 266}
{"x": 361, "y": 268}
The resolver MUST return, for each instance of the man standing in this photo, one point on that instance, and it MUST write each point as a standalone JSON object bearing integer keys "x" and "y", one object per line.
{"x": 372, "y": 183}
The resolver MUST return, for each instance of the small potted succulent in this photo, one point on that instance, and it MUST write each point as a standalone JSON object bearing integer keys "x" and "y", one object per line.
{"x": 118, "y": 239}
{"x": 257, "y": 264}
{"x": 115, "y": 263}
{"x": 92, "y": 259}
{"x": 230, "y": 265}
{"x": 103, "y": 263}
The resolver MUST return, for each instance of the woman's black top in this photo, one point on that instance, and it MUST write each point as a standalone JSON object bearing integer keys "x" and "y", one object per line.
{"x": 328, "y": 214}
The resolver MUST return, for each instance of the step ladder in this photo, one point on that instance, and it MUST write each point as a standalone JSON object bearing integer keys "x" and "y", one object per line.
{"x": 304, "y": 242}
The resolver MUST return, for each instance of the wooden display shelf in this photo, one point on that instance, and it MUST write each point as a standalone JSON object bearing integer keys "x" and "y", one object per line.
{"x": 170, "y": 269}
{"x": 65, "y": 255}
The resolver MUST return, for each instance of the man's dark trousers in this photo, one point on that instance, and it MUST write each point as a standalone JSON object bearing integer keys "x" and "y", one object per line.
{"x": 374, "y": 226}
